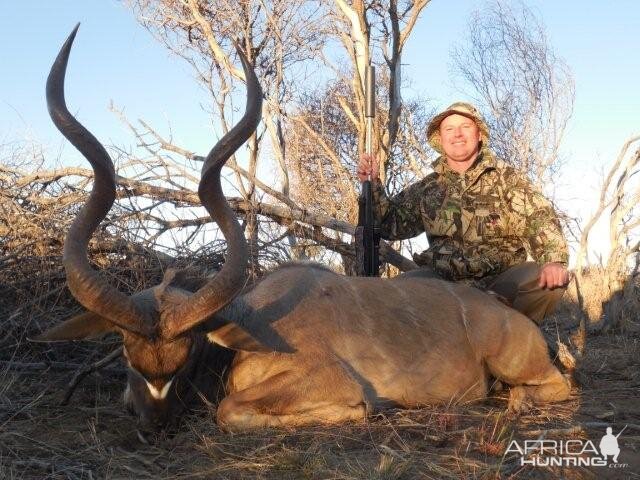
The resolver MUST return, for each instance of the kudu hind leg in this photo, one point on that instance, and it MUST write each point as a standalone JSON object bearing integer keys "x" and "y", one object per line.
{"x": 290, "y": 399}
{"x": 523, "y": 362}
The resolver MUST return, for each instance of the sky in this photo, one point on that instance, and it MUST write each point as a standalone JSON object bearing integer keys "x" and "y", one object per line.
{"x": 115, "y": 60}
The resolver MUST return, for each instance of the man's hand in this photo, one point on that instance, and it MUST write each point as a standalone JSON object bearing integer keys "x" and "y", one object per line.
{"x": 553, "y": 275}
{"x": 368, "y": 165}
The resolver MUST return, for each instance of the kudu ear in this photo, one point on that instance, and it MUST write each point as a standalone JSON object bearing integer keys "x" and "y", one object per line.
{"x": 83, "y": 326}
{"x": 235, "y": 338}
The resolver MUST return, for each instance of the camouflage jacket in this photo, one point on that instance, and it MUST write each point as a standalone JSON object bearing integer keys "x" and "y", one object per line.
{"x": 478, "y": 223}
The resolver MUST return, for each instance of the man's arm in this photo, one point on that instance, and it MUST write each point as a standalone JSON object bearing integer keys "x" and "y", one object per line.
{"x": 399, "y": 216}
{"x": 538, "y": 223}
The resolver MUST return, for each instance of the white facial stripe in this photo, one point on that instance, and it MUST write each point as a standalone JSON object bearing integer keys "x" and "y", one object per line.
{"x": 159, "y": 394}
{"x": 127, "y": 394}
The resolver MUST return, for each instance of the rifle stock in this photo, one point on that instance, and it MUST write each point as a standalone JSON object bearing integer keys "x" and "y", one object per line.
{"x": 367, "y": 235}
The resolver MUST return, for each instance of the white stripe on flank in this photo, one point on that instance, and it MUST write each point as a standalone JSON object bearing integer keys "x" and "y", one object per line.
{"x": 159, "y": 394}
{"x": 463, "y": 312}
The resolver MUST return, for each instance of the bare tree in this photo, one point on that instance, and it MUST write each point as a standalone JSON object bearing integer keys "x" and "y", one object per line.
{"x": 619, "y": 197}
{"x": 373, "y": 33}
{"x": 280, "y": 36}
{"x": 323, "y": 150}
{"x": 508, "y": 66}
{"x": 275, "y": 35}
{"x": 327, "y": 132}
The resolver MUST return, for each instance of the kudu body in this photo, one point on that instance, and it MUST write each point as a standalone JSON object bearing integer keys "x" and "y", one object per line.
{"x": 311, "y": 346}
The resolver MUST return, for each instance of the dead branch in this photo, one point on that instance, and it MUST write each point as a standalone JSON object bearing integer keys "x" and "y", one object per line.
{"x": 86, "y": 370}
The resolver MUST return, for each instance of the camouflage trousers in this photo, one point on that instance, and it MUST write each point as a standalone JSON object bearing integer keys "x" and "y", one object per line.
{"x": 518, "y": 286}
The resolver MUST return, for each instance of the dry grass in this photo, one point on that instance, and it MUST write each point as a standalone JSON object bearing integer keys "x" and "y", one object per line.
{"x": 619, "y": 307}
{"x": 93, "y": 437}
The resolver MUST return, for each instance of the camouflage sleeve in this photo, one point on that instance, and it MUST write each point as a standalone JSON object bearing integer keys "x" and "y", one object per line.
{"x": 536, "y": 222}
{"x": 399, "y": 217}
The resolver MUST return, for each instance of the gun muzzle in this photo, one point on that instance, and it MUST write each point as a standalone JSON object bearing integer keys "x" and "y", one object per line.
{"x": 370, "y": 91}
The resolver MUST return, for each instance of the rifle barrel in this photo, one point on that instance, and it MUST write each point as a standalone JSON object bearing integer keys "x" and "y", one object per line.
{"x": 370, "y": 91}
{"x": 620, "y": 432}
{"x": 370, "y": 105}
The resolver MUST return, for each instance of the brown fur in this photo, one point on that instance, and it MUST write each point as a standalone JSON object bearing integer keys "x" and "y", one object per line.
{"x": 363, "y": 343}
{"x": 195, "y": 367}
{"x": 317, "y": 347}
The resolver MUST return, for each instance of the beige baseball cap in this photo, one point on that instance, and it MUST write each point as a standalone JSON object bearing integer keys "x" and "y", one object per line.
{"x": 460, "y": 108}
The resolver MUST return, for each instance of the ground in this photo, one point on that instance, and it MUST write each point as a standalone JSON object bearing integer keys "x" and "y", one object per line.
{"x": 93, "y": 437}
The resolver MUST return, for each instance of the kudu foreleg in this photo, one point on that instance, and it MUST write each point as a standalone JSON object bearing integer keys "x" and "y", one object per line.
{"x": 292, "y": 399}
{"x": 554, "y": 388}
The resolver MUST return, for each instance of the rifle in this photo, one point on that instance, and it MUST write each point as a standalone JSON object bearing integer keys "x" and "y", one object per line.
{"x": 625, "y": 427}
{"x": 367, "y": 235}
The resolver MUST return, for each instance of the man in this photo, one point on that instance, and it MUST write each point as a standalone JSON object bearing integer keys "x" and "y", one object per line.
{"x": 609, "y": 445}
{"x": 480, "y": 216}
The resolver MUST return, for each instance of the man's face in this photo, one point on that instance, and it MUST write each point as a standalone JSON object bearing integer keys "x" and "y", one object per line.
{"x": 460, "y": 138}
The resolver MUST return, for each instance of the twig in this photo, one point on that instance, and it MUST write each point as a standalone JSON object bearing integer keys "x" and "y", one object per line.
{"x": 78, "y": 377}
{"x": 38, "y": 367}
{"x": 577, "y": 428}
{"x": 18, "y": 311}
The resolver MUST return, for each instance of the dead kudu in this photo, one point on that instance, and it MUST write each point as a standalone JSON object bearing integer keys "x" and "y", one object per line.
{"x": 304, "y": 345}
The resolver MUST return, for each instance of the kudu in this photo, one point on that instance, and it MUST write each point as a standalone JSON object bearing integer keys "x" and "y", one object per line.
{"x": 311, "y": 346}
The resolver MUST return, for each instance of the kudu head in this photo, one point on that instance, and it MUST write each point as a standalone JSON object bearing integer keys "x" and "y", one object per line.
{"x": 161, "y": 327}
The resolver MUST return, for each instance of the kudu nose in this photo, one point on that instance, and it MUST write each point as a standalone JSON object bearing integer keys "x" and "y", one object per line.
{"x": 154, "y": 422}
